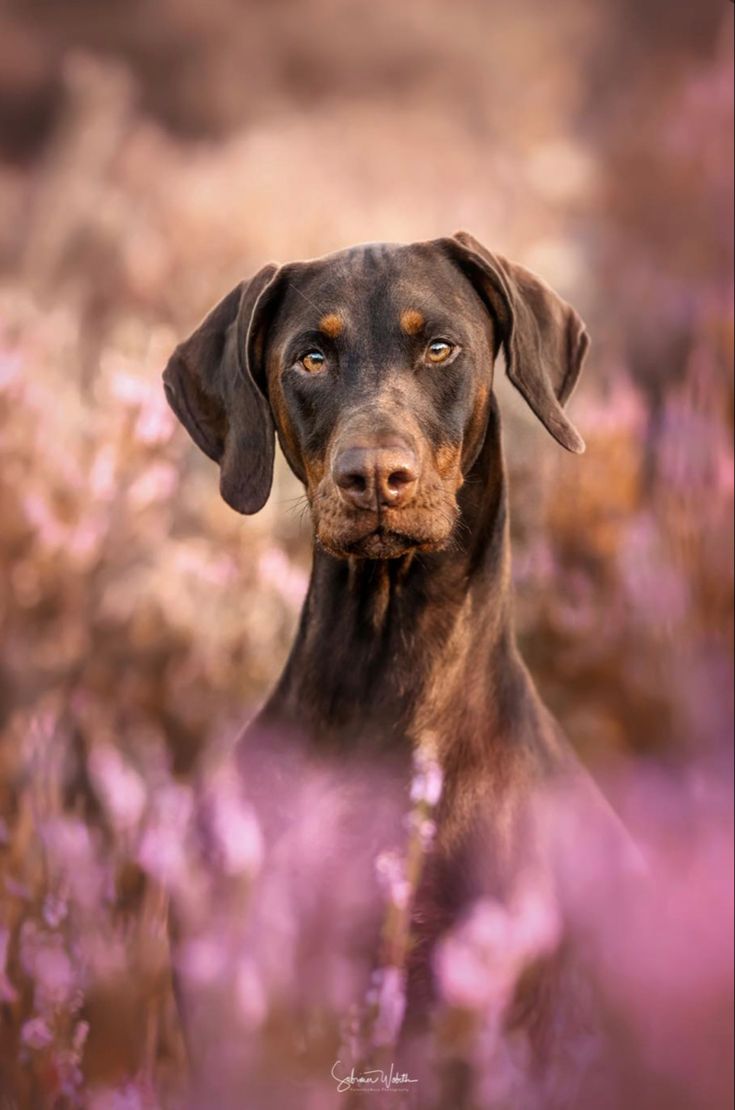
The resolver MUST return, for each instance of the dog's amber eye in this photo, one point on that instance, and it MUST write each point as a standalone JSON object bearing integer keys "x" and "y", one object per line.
{"x": 314, "y": 361}
{"x": 439, "y": 350}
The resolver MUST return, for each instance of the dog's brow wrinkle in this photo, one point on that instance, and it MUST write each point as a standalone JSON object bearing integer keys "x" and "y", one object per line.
{"x": 412, "y": 321}
{"x": 331, "y": 324}
{"x": 304, "y": 297}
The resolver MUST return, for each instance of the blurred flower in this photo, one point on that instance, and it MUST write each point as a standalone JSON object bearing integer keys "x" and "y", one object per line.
{"x": 233, "y": 825}
{"x": 157, "y": 483}
{"x": 121, "y": 788}
{"x": 130, "y": 390}
{"x": 427, "y": 782}
{"x": 85, "y": 540}
{"x": 275, "y": 569}
{"x": 10, "y": 368}
{"x": 480, "y": 962}
{"x": 103, "y": 474}
{"x": 36, "y": 1034}
{"x": 129, "y": 1096}
{"x": 391, "y": 1004}
{"x": 164, "y": 843}
{"x": 251, "y": 997}
{"x": 73, "y": 855}
{"x": 203, "y": 959}
{"x": 426, "y": 785}
{"x": 475, "y": 964}
{"x": 49, "y": 529}
{"x": 156, "y": 422}
{"x": 655, "y": 585}
{"x": 391, "y": 871}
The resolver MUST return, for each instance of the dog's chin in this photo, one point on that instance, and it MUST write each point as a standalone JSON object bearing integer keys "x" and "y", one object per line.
{"x": 382, "y": 543}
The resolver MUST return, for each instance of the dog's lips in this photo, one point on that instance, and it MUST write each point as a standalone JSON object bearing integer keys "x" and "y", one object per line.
{"x": 387, "y": 534}
{"x": 384, "y": 543}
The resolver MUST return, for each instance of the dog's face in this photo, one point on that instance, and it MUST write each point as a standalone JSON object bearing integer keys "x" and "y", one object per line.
{"x": 374, "y": 366}
{"x": 378, "y": 363}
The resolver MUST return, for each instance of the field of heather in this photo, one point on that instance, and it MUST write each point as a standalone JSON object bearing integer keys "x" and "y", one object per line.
{"x": 147, "y": 164}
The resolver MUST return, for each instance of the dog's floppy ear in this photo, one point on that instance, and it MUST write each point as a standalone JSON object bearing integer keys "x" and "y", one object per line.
{"x": 211, "y": 383}
{"x": 543, "y": 338}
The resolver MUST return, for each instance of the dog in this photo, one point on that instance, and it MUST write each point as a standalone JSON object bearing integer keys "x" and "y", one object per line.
{"x": 373, "y": 367}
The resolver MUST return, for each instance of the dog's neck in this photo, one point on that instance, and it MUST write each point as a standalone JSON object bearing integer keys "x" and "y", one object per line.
{"x": 383, "y": 646}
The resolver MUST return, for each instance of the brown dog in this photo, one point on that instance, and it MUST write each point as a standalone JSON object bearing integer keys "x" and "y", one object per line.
{"x": 374, "y": 367}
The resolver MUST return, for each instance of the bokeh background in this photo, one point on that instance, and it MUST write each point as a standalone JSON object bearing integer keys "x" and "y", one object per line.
{"x": 151, "y": 155}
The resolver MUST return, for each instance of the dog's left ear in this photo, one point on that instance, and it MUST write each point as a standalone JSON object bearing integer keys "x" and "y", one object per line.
{"x": 543, "y": 338}
{"x": 215, "y": 387}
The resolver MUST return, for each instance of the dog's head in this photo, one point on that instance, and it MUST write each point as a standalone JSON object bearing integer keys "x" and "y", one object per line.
{"x": 374, "y": 367}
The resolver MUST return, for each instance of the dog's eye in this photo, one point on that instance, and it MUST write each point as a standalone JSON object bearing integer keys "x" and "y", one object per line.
{"x": 439, "y": 350}
{"x": 313, "y": 361}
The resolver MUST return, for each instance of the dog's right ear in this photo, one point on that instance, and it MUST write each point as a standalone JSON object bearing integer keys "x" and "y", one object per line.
{"x": 212, "y": 384}
{"x": 543, "y": 337}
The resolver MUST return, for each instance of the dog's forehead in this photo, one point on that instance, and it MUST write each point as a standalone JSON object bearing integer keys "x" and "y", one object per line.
{"x": 402, "y": 280}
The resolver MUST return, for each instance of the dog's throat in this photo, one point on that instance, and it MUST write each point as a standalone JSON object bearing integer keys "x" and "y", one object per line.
{"x": 374, "y": 581}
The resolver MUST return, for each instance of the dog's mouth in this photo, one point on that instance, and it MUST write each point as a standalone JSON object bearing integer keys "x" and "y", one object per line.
{"x": 389, "y": 533}
{"x": 382, "y": 542}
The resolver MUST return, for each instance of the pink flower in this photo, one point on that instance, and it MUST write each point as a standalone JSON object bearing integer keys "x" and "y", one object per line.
{"x": 157, "y": 483}
{"x": 156, "y": 421}
{"x": 231, "y": 823}
{"x": 479, "y": 963}
{"x": 287, "y": 579}
{"x": 202, "y": 959}
{"x": 251, "y": 997}
{"x": 391, "y": 872}
{"x": 129, "y": 1096}
{"x": 36, "y": 1034}
{"x": 120, "y": 786}
{"x": 103, "y": 475}
{"x": 391, "y": 987}
{"x": 73, "y": 853}
{"x": 163, "y": 848}
{"x": 426, "y": 785}
{"x": 129, "y": 390}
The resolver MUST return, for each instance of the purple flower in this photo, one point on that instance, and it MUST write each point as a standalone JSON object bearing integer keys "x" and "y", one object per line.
{"x": 163, "y": 847}
{"x": 36, "y": 1034}
{"x": 234, "y": 826}
{"x": 251, "y": 996}
{"x": 54, "y": 910}
{"x": 391, "y": 872}
{"x": 391, "y": 1002}
{"x": 426, "y": 785}
{"x": 121, "y": 787}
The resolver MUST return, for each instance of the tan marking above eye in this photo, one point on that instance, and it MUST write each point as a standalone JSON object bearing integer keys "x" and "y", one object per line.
{"x": 332, "y": 325}
{"x": 412, "y": 321}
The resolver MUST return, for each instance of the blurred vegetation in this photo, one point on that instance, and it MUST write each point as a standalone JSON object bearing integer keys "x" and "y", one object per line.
{"x": 153, "y": 155}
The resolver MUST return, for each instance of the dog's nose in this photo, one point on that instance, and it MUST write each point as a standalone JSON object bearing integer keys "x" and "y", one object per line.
{"x": 376, "y": 477}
